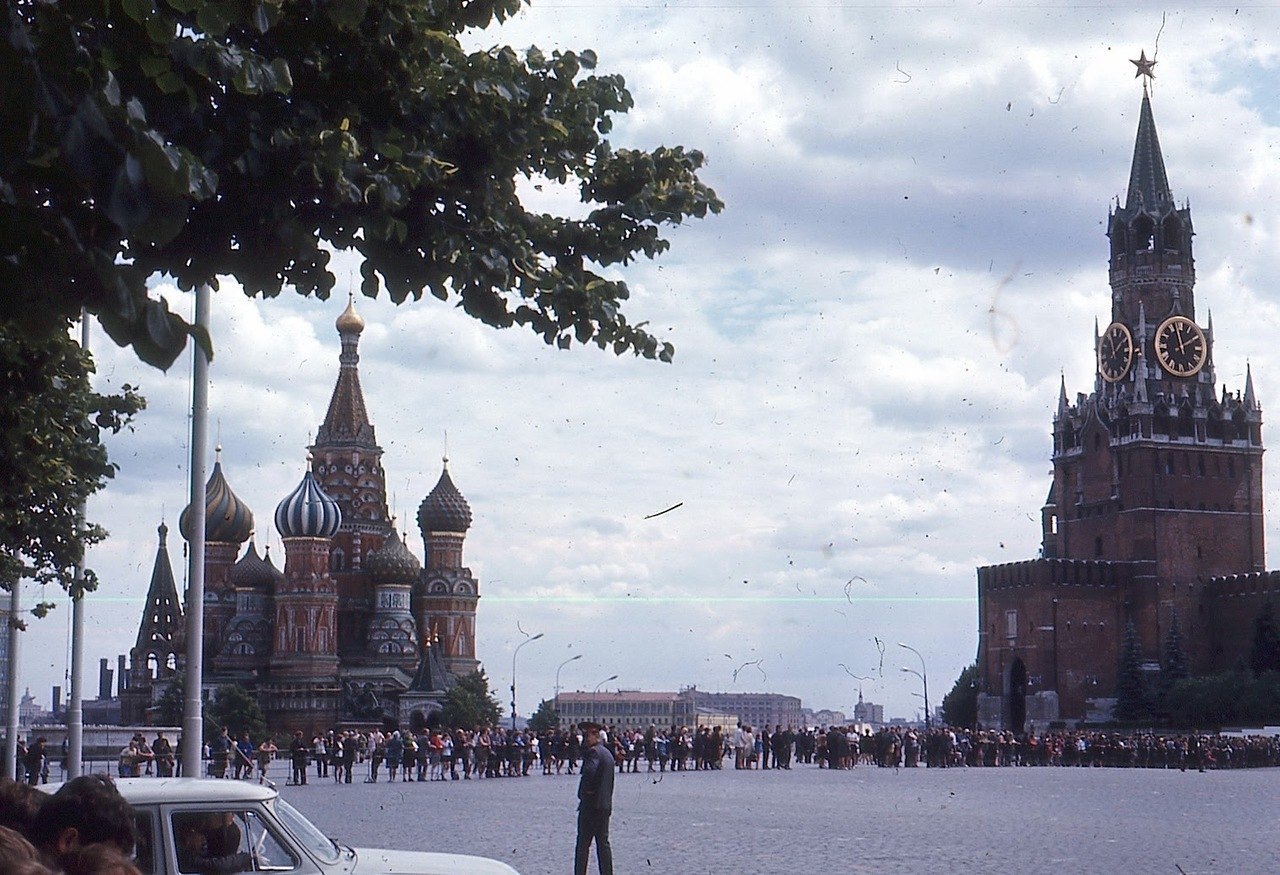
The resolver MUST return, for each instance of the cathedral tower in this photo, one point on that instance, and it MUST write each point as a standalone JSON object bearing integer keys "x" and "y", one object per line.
{"x": 228, "y": 524}
{"x": 347, "y": 463}
{"x": 158, "y": 653}
{"x": 448, "y": 594}
{"x": 304, "y": 687}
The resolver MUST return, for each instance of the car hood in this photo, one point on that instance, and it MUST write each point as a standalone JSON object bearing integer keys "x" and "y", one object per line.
{"x": 371, "y": 861}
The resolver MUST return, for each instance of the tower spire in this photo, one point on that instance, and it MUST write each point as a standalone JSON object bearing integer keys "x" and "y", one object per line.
{"x": 161, "y": 628}
{"x": 346, "y": 423}
{"x": 1148, "y": 181}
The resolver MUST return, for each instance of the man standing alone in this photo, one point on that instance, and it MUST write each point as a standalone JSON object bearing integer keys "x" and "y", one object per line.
{"x": 595, "y": 802}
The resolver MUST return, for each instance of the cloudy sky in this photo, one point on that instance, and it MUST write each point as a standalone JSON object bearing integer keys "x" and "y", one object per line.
{"x": 869, "y": 345}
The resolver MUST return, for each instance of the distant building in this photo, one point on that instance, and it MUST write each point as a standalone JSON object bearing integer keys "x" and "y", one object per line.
{"x": 30, "y": 712}
{"x": 825, "y": 717}
{"x": 628, "y": 708}
{"x": 868, "y": 712}
{"x": 753, "y": 709}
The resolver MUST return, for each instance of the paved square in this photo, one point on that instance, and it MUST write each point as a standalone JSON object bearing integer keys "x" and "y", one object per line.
{"x": 1009, "y": 820}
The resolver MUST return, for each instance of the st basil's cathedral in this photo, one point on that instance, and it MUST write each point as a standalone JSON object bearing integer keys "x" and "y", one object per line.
{"x": 353, "y": 629}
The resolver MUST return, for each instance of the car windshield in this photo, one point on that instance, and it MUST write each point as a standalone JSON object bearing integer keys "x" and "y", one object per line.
{"x": 307, "y": 833}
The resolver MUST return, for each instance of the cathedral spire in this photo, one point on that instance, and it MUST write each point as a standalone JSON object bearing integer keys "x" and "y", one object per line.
{"x": 346, "y": 424}
{"x": 1250, "y": 399}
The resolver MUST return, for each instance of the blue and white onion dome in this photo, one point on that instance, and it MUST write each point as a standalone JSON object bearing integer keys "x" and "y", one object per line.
{"x": 308, "y": 512}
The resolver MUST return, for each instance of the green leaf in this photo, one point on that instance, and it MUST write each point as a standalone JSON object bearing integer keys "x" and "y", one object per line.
{"x": 138, "y": 10}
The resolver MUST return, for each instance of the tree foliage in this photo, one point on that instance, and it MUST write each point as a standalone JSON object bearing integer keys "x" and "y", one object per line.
{"x": 1173, "y": 664}
{"x": 235, "y": 708}
{"x": 224, "y": 138}
{"x": 470, "y": 703}
{"x": 545, "y": 718}
{"x": 51, "y": 428}
{"x": 960, "y": 706}
{"x": 1131, "y": 697}
{"x": 1230, "y": 698}
{"x": 1264, "y": 654}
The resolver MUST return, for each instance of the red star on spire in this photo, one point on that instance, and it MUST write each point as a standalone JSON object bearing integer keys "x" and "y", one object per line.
{"x": 1144, "y": 67}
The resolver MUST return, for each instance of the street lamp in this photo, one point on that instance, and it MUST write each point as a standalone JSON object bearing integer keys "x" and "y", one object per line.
{"x": 562, "y": 665}
{"x": 612, "y": 677}
{"x": 923, "y": 674}
{"x": 513, "y": 675}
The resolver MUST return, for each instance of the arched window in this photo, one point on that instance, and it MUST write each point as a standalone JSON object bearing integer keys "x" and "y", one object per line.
{"x": 1143, "y": 232}
{"x": 1172, "y": 232}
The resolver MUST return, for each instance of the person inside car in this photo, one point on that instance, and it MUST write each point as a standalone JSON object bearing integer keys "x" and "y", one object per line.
{"x": 208, "y": 844}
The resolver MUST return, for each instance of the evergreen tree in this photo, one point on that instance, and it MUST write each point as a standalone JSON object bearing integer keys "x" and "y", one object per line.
{"x": 1174, "y": 666}
{"x": 235, "y": 708}
{"x": 470, "y": 703}
{"x": 960, "y": 706}
{"x": 546, "y": 717}
{"x": 1131, "y": 699}
{"x": 1265, "y": 653}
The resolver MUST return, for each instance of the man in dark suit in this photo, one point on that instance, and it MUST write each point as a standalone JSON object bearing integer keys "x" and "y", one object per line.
{"x": 595, "y": 802}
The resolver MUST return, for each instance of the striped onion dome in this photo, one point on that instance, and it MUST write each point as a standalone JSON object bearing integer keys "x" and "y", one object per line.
{"x": 308, "y": 512}
{"x": 393, "y": 563}
{"x": 227, "y": 518}
{"x": 444, "y": 509}
{"x": 252, "y": 571}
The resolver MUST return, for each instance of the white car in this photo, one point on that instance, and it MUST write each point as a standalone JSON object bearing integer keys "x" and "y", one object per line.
{"x": 191, "y": 826}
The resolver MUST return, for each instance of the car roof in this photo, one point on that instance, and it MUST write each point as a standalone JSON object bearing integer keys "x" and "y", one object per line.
{"x": 154, "y": 791}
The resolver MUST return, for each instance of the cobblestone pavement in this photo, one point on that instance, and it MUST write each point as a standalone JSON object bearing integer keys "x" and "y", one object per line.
{"x": 1023, "y": 820}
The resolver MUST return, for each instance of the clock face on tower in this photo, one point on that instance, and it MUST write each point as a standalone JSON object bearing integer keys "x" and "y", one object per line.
{"x": 1115, "y": 352}
{"x": 1180, "y": 346}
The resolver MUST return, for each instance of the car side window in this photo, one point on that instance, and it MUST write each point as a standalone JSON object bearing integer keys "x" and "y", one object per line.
{"x": 144, "y": 853}
{"x": 226, "y": 842}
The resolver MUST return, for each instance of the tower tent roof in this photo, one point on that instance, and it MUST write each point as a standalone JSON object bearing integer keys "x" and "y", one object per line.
{"x": 162, "y": 614}
{"x": 346, "y": 422}
{"x": 1148, "y": 182}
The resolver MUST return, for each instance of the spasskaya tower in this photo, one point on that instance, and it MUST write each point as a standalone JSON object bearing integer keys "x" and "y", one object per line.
{"x": 1154, "y": 516}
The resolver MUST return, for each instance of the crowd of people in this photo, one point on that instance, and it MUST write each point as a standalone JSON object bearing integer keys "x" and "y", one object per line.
{"x": 495, "y": 752}
{"x": 86, "y": 828}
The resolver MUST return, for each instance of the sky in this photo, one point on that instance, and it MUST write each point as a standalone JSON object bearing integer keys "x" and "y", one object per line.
{"x": 870, "y": 341}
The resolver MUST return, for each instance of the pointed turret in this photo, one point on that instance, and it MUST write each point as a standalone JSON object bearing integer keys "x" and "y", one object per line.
{"x": 1151, "y": 259}
{"x": 346, "y": 423}
{"x": 1148, "y": 181}
{"x": 161, "y": 626}
{"x": 1250, "y": 399}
